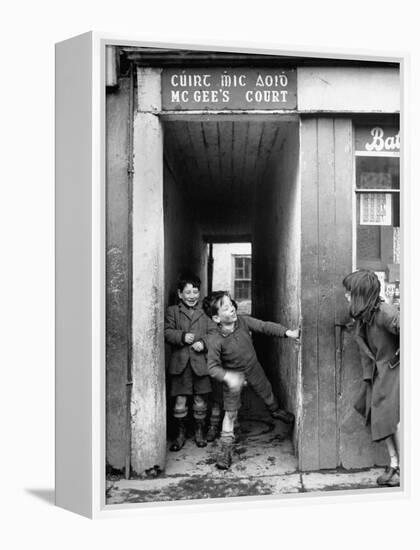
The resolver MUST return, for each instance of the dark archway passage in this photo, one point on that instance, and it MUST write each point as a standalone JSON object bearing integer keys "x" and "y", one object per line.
{"x": 235, "y": 179}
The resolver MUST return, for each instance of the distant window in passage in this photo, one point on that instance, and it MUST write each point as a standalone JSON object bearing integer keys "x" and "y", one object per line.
{"x": 242, "y": 279}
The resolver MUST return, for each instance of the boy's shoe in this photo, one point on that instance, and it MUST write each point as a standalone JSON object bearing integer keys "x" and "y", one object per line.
{"x": 224, "y": 458}
{"x": 284, "y": 416}
{"x": 212, "y": 432}
{"x": 237, "y": 433}
{"x": 388, "y": 478}
{"x": 199, "y": 434}
{"x": 181, "y": 436}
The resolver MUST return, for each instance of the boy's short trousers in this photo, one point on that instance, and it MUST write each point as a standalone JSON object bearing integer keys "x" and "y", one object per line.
{"x": 188, "y": 383}
{"x": 217, "y": 391}
{"x": 231, "y": 400}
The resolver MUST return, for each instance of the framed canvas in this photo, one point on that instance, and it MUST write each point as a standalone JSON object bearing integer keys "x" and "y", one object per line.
{"x": 270, "y": 175}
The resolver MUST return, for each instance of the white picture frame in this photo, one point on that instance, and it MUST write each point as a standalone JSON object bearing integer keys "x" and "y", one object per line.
{"x": 81, "y": 68}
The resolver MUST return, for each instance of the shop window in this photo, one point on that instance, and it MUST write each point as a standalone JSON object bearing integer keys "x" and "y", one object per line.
{"x": 378, "y": 205}
{"x": 242, "y": 278}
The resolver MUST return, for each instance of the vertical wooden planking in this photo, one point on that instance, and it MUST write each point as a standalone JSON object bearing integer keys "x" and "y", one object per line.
{"x": 249, "y": 174}
{"x": 212, "y": 152}
{"x": 309, "y": 435}
{"x": 343, "y": 151}
{"x": 326, "y": 300}
{"x": 196, "y": 131}
{"x": 239, "y": 151}
{"x": 355, "y": 449}
{"x": 243, "y": 161}
{"x": 224, "y": 137}
{"x": 240, "y": 207}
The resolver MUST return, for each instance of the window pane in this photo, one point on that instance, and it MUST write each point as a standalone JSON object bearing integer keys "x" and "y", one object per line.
{"x": 242, "y": 267}
{"x": 377, "y": 172}
{"x": 242, "y": 290}
{"x": 239, "y": 270}
{"x": 247, "y": 268}
{"x": 378, "y": 216}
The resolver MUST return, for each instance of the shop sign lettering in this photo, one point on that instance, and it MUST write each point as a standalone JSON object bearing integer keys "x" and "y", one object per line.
{"x": 378, "y": 139}
{"x": 230, "y": 89}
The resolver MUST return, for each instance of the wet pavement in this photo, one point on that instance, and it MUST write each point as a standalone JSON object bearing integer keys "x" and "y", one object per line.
{"x": 263, "y": 464}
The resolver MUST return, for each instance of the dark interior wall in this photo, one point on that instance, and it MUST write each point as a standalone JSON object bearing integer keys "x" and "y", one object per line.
{"x": 184, "y": 245}
{"x": 117, "y": 273}
{"x": 276, "y": 265}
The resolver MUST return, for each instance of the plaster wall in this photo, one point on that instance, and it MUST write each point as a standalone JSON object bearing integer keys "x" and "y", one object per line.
{"x": 117, "y": 274}
{"x": 349, "y": 89}
{"x": 223, "y": 264}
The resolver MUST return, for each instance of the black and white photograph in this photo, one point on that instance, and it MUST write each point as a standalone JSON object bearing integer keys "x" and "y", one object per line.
{"x": 253, "y": 237}
{"x": 210, "y": 306}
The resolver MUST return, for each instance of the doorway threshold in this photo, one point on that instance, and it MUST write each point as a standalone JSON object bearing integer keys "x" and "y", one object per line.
{"x": 263, "y": 463}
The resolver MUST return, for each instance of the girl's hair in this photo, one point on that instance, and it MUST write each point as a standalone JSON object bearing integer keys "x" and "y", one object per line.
{"x": 211, "y": 303}
{"x": 365, "y": 288}
{"x": 188, "y": 277}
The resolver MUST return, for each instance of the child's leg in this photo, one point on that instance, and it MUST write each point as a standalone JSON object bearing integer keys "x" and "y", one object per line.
{"x": 392, "y": 451}
{"x": 215, "y": 421}
{"x": 261, "y": 385}
{"x": 180, "y": 406}
{"x": 386, "y": 477}
{"x": 224, "y": 458}
{"x": 232, "y": 404}
{"x": 257, "y": 379}
{"x": 180, "y": 412}
{"x": 397, "y": 436}
{"x": 228, "y": 425}
{"x": 216, "y": 410}
{"x": 199, "y": 413}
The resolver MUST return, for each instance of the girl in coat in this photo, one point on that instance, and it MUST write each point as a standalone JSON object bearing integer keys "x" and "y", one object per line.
{"x": 377, "y": 332}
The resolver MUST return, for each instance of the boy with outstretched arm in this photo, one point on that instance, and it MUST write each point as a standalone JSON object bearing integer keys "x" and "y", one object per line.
{"x": 232, "y": 360}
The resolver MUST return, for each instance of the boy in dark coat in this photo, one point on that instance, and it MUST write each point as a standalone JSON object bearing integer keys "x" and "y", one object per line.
{"x": 233, "y": 361}
{"x": 187, "y": 329}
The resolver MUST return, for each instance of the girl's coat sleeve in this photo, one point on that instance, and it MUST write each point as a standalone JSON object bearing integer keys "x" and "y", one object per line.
{"x": 391, "y": 320}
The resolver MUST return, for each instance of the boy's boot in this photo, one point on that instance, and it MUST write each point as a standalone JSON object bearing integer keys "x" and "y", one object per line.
{"x": 214, "y": 429}
{"x": 389, "y": 477}
{"x": 199, "y": 433}
{"x": 181, "y": 435}
{"x": 224, "y": 457}
{"x": 285, "y": 416}
{"x": 280, "y": 414}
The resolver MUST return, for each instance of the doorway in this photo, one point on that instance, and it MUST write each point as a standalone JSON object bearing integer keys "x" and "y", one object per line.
{"x": 235, "y": 179}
